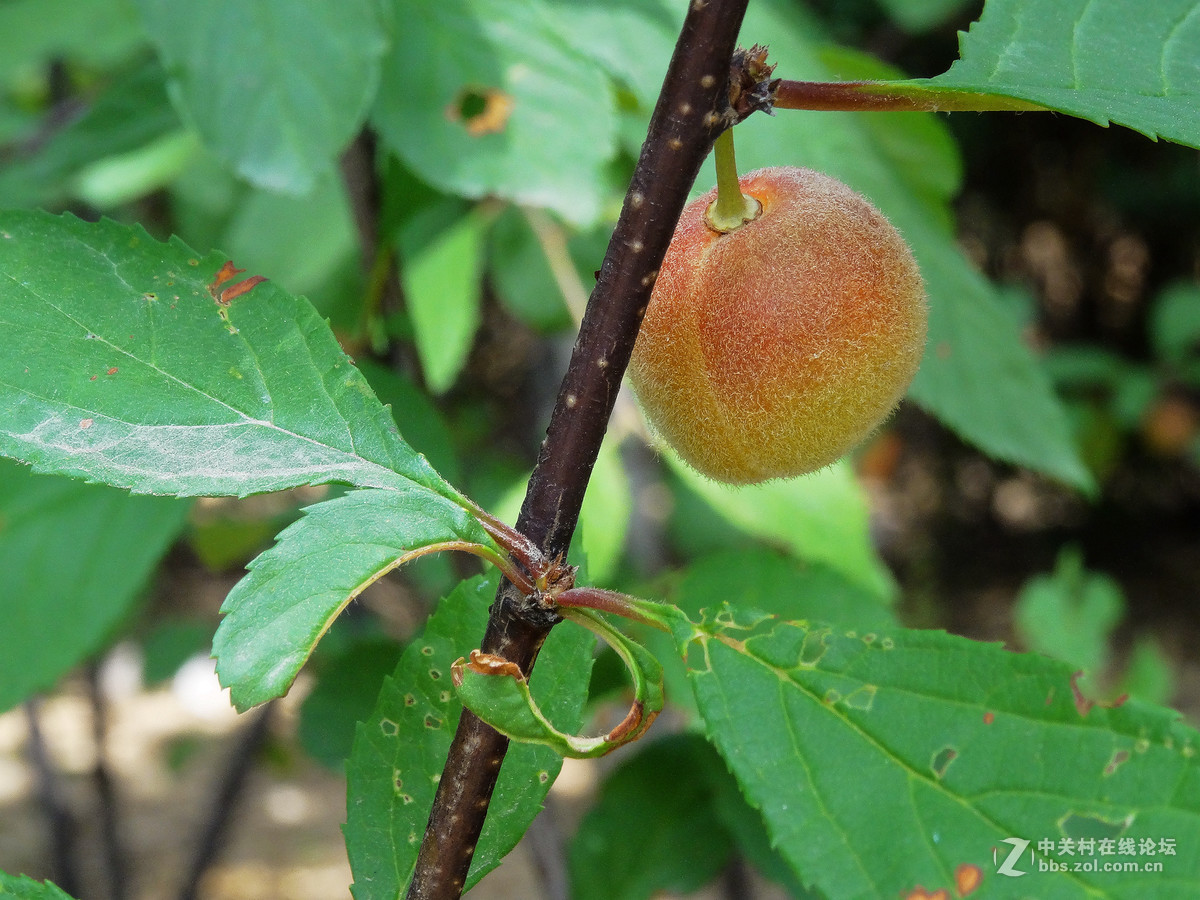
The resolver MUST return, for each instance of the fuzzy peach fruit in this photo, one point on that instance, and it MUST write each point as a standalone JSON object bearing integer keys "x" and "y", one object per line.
{"x": 771, "y": 350}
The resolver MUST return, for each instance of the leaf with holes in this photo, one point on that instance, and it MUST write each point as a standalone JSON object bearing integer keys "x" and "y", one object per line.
{"x": 122, "y": 366}
{"x": 888, "y": 760}
{"x": 399, "y": 752}
{"x": 474, "y": 97}
{"x": 275, "y": 616}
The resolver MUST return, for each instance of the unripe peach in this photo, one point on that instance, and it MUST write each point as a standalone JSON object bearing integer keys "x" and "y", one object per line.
{"x": 771, "y": 350}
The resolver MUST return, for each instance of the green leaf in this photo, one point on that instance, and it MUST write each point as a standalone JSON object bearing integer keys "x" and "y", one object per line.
{"x": 768, "y": 581}
{"x": 120, "y": 368}
{"x": 169, "y": 645}
{"x": 821, "y": 518}
{"x": 347, "y": 687}
{"x": 885, "y": 761}
{"x": 921, "y": 15}
{"x": 1175, "y": 323}
{"x": 521, "y": 275}
{"x": 303, "y": 241}
{"x": 604, "y": 518}
{"x": 1124, "y": 61}
{"x": 654, "y": 827}
{"x": 33, "y": 32}
{"x": 399, "y": 752}
{"x": 130, "y": 113}
{"x": 474, "y": 98}
{"x": 74, "y": 559}
{"x": 416, "y": 415}
{"x": 293, "y": 592}
{"x": 496, "y": 691}
{"x": 977, "y": 376}
{"x": 275, "y": 88}
{"x": 1070, "y": 614}
{"x": 441, "y": 267}
{"x": 22, "y": 887}
{"x": 632, "y": 40}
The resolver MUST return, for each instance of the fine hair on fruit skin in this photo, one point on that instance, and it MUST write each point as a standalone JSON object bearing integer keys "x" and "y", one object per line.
{"x": 771, "y": 350}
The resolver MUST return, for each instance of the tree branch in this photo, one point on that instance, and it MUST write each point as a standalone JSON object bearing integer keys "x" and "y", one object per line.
{"x": 692, "y": 109}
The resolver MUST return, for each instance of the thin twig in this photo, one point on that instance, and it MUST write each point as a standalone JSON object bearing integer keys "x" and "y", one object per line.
{"x": 62, "y": 823}
{"x": 213, "y": 832}
{"x": 882, "y": 96}
{"x": 691, "y": 110}
{"x": 110, "y": 820}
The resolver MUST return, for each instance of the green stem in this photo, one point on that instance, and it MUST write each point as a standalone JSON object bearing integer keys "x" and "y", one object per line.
{"x": 732, "y": 209}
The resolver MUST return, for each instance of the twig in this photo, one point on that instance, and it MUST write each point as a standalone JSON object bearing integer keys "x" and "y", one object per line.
{"x": 882, "y": 96}
{"x": 692, "y": 109}
{"x": 110, "y": 828}
{"x": 63, "y": 826}
{"x": 212, "y": 834}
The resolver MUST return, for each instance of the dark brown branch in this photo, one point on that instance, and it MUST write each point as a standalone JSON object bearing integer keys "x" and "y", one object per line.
{"x": 880, "y": 96}
{"x": 692, "y": 109}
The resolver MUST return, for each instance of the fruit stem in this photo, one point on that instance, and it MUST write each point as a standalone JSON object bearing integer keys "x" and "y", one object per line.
{"x": 732, "y": 209}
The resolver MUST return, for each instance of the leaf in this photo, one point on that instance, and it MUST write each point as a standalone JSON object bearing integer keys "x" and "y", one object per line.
{"x": 678, "y": 844}
{"x": 632, "y": 40}
{"x": 496, "y": 690}
{"x": 916, "y": 16}
{"x": 131, "y": 112}
{"x": 604, "y": 518}
{"x": 293, "y": 592}
{"x": 441, "y": 269}
{"x": 522, "y": 277}
{"x": 22, "y": 887}
{"x": 275, "y": 88}
{"x": 821, "y": 518}
{"x": 977, "y": 376}
{"x": 399, "y": 752}
{"x": 773, "y": 583}
{"x": 74, "y": 559}
{"x": 1124, "y": 61}
{"x": 1175, "y": 323}
{"x": 345, "y": 694}
{"x": 120, "y": 368}
{"x": 1070, "y": 614}
{"x": 302, "y": 241}
{"x": 33, "y": 32}
{"x": 474, "y": 98}
{"x": 416, "y": 416}
{"x": 885, "y": 761}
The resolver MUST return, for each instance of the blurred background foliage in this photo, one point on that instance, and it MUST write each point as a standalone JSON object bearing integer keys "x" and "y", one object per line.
{"x": 441, "y": 179}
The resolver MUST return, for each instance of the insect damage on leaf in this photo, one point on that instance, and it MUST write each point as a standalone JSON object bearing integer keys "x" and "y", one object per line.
{"x": 225, "y": 295}
{"x": 482, "y": 110}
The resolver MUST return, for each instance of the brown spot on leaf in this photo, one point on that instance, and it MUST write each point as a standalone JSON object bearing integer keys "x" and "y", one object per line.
{"x": 989, "y": 717}
{"x": 242, "y": 287}
{"x": 919, "y": 893}
{"x": 224, "y": 274}
{"x": 491, "y": 664}
{"x": 112, "y": 371}
{"x": 1084, "y": 704}
{"x": 481, "y": 110}
{"x": 1118, "y": 757}
{"x": 967, "y": 879}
